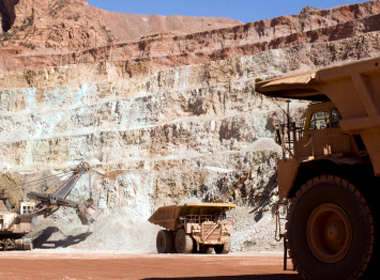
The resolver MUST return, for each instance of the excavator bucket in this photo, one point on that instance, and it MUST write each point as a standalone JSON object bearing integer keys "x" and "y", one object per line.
{"x": 88, "y": 213}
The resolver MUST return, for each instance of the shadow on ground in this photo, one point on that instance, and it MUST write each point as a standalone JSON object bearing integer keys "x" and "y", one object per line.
{"x": 43, "y": 242}
{"x": 238, "y": 277}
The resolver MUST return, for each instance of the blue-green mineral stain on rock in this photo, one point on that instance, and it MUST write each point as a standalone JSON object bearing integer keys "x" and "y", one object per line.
{"x": 81, "y": 92}
{"x": 30, "y": 99}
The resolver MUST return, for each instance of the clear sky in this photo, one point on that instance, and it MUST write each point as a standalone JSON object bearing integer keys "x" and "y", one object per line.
{"x": 243, "y": 10}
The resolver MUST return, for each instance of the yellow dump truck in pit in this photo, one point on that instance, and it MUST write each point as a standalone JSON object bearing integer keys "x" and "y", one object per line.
{"x": 193, "y": 227}
{"x": 330, "y": 170}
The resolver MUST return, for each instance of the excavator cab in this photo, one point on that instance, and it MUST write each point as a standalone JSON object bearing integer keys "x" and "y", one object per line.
{"x": 27, "y": 207}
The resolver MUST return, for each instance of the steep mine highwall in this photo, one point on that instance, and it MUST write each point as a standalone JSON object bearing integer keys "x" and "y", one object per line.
{"x": 193, "y": 132}
{"x": 188, "y": 133}
{"x": 158, "y": 135}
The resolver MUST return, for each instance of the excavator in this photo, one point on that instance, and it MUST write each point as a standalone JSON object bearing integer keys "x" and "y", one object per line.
{"x": 16, "y": 221}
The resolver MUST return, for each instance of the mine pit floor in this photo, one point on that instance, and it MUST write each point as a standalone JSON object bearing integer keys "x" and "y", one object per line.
{"x": 68, "y": 264}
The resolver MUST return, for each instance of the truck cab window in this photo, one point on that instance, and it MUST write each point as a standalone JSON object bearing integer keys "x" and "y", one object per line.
{"x": 319, "y": 120}
{"x": 335, "y": 117}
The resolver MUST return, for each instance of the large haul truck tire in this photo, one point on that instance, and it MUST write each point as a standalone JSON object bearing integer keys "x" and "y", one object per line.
{"x": 225, "y": 248}
{"x": 164, "y": 242}
{"x": 331, "y": 232}
{"x": 184, "y": 244}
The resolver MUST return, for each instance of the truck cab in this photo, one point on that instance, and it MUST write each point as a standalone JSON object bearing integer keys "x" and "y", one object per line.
{"x": 323, "y": 136}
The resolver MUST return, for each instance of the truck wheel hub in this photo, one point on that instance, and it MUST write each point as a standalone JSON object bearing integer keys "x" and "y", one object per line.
{"x": 329, "y": 233}
{"x": 333, "y": 232}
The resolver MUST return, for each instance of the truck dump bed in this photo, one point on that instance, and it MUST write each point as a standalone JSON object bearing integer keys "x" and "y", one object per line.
{"x": 354, "y": 88}
{"x": 169, "y": 216}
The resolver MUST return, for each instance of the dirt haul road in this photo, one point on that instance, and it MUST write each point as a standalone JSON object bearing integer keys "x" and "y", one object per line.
{"x": 75, "y": 264}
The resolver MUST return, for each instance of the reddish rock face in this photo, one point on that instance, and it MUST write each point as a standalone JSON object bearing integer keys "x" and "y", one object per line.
{"x": 59, "y": 32}
{"x": 127, "y": 27}
{"x": 73, "y": 25}
{"x": 51, "y": 24}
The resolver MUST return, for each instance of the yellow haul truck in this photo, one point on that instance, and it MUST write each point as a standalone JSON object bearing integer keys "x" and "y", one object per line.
{"x": 193, "y": 227}
{"x": 330, "y": 170}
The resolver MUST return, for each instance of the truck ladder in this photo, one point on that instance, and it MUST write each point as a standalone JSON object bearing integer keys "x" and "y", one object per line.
{"x": 284, "y": 206}
{"x": 287, "y": 255}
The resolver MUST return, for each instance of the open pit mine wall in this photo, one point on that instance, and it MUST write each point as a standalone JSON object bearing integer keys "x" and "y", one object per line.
{"x": 157, "y": 137}
{"x": 192, "y": 132}
{"x": 186, "y": 132}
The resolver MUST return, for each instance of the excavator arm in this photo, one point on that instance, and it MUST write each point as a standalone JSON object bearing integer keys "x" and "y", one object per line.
{"x": 50, "y": 203}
